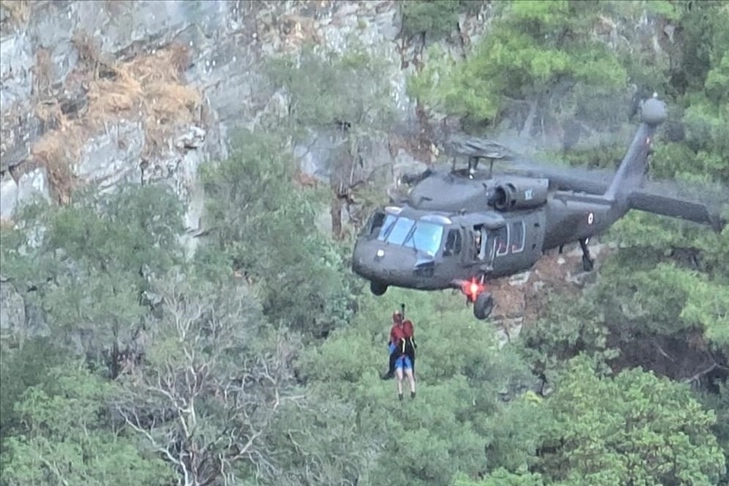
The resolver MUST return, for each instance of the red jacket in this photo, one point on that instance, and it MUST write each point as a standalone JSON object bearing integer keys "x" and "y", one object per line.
{"x": 398, "y": 333}
{"x": 409, "y": 329}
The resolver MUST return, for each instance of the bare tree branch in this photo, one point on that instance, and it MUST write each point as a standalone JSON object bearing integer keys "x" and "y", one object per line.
{"x": 201, "y": 362}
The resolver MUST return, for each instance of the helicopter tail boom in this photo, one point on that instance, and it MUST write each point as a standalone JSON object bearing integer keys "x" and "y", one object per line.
{"x": 674, "y": 207}
{"x": 633, "y": 167}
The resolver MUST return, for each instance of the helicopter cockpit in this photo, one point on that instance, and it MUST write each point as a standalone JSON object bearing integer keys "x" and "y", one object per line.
{"x": 413, "y": 248}
{"x": 424, "y": 234}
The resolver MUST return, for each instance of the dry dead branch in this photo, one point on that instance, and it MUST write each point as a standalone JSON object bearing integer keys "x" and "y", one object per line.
{"x": 199, "y": 355}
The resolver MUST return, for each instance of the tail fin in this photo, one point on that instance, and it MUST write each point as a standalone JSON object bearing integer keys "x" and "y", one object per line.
{"x": 632, "y": 169}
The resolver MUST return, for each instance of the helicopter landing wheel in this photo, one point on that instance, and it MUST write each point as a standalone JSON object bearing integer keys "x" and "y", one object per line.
{"x": 377, "y": 288}
{"x": 588, "y": 264}
{"x": 483, "y": 306}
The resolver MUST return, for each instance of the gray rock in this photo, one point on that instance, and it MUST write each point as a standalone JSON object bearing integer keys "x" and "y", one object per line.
{"x": 236, "y": 91}
{"x": 193, "y": 138}
{"x": 16, "y": 53}
{"x": 53, "y": 26}
{"x": 228, "y": 42}
{"x": 8, "y": 196}
{"x": 582, "y": 279}
{"x": 190, "y": 190}
{"x": 318, "y": 156}
{"x": 33, "y": 184}
{"x": 520, "y": 279}
{"x": 508, "y": 330}
{"x": 388, "y": 24}
{"x": 149, "y": 23}
{"x": 114, "y": 156}
{"x": 20, "y": 129}
{"x": 12, "y": 308}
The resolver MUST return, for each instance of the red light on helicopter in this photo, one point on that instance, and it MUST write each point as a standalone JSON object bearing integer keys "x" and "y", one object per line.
{"x": 472, "y": 288}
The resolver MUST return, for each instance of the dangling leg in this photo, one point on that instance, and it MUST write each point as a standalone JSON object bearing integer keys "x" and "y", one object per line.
{"x": 398, "y": 372}
{"x": 391, "y": 369}
{"x": 410, "y": 353}
{"x": 411, "y": 377}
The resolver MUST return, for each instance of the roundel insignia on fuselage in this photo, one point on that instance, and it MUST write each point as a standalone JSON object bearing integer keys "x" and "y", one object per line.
{"x": 590, "y": 218}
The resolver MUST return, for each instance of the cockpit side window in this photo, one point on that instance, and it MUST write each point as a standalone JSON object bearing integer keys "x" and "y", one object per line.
{"x": 453, "y": 243}
{"x": 517, "y": 236}
{"x": 502, "y": 241}
{"x": 375, "y": 223}
{"x": 386, "y": 226}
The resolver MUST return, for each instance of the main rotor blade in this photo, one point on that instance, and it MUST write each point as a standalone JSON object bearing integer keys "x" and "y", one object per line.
{"x": 459, "y": 144}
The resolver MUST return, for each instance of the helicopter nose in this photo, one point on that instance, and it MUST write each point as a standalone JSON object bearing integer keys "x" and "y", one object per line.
{"x": 373, "y": 260}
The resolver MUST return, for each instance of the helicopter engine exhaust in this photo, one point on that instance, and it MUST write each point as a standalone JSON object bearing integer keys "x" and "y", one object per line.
{"x": 520, "y": 193}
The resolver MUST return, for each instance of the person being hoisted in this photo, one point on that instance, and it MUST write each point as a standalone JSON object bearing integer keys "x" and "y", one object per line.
{"x": 402, "y": 352}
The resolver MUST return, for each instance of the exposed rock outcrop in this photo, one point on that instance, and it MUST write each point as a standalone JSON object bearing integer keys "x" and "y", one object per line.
{"x": 125, "y": 91}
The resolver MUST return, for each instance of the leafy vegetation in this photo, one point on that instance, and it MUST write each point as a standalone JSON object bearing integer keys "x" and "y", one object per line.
{"x": 257, "y": 361}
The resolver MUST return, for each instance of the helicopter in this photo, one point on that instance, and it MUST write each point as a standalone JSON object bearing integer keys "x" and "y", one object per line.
{"x": 462, "y": 229}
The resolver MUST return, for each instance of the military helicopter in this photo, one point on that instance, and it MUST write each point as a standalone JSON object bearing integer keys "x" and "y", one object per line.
{"x": 460, "y": 229}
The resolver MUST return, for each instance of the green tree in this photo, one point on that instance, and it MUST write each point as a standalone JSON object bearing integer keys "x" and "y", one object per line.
{"x": 633, "y": 428}
{"x": 436, "y": 18}
{"x": 267, "y": 228}
{"x": 326, "y": 89}
{"x": 65, "y": 439}
{"x": 502, "y": 477}
{"x": 567, "y": 326}
{"x": 538, "y": 54}
{"x": 342, "y": 98}
{"x": 86, "y": 265}
{"x": 20, "y": 369}
{"x": 321, "y": 439}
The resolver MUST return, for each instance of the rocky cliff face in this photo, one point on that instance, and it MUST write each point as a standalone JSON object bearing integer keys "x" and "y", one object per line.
{"x": 147, "y": 91}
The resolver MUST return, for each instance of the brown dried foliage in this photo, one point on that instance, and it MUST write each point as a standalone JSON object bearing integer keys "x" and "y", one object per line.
{"x": 6, "y": 224}
{"x": 18, "y": 10}
{"x": 56, "y": 151}
{"x": 147, "y": 88}
{"x": 117, "y": 7}
{"x": 43, "y": 73}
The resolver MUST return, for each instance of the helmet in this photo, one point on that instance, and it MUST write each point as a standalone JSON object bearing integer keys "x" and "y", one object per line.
{"x": 397, "y": 316}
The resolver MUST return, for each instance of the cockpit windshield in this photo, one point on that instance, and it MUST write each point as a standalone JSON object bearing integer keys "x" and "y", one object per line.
{"x": 421, "y": 235}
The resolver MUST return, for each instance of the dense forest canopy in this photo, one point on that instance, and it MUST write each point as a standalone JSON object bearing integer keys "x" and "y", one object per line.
{"x": 257, "y": 361}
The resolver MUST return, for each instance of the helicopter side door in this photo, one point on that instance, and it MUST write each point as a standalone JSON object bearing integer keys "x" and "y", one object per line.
{"x": 453, "y": 247}
{"x": 518, "y": 244}
{"x": 478, "y": 242}
{"x": 479, "y": 248}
